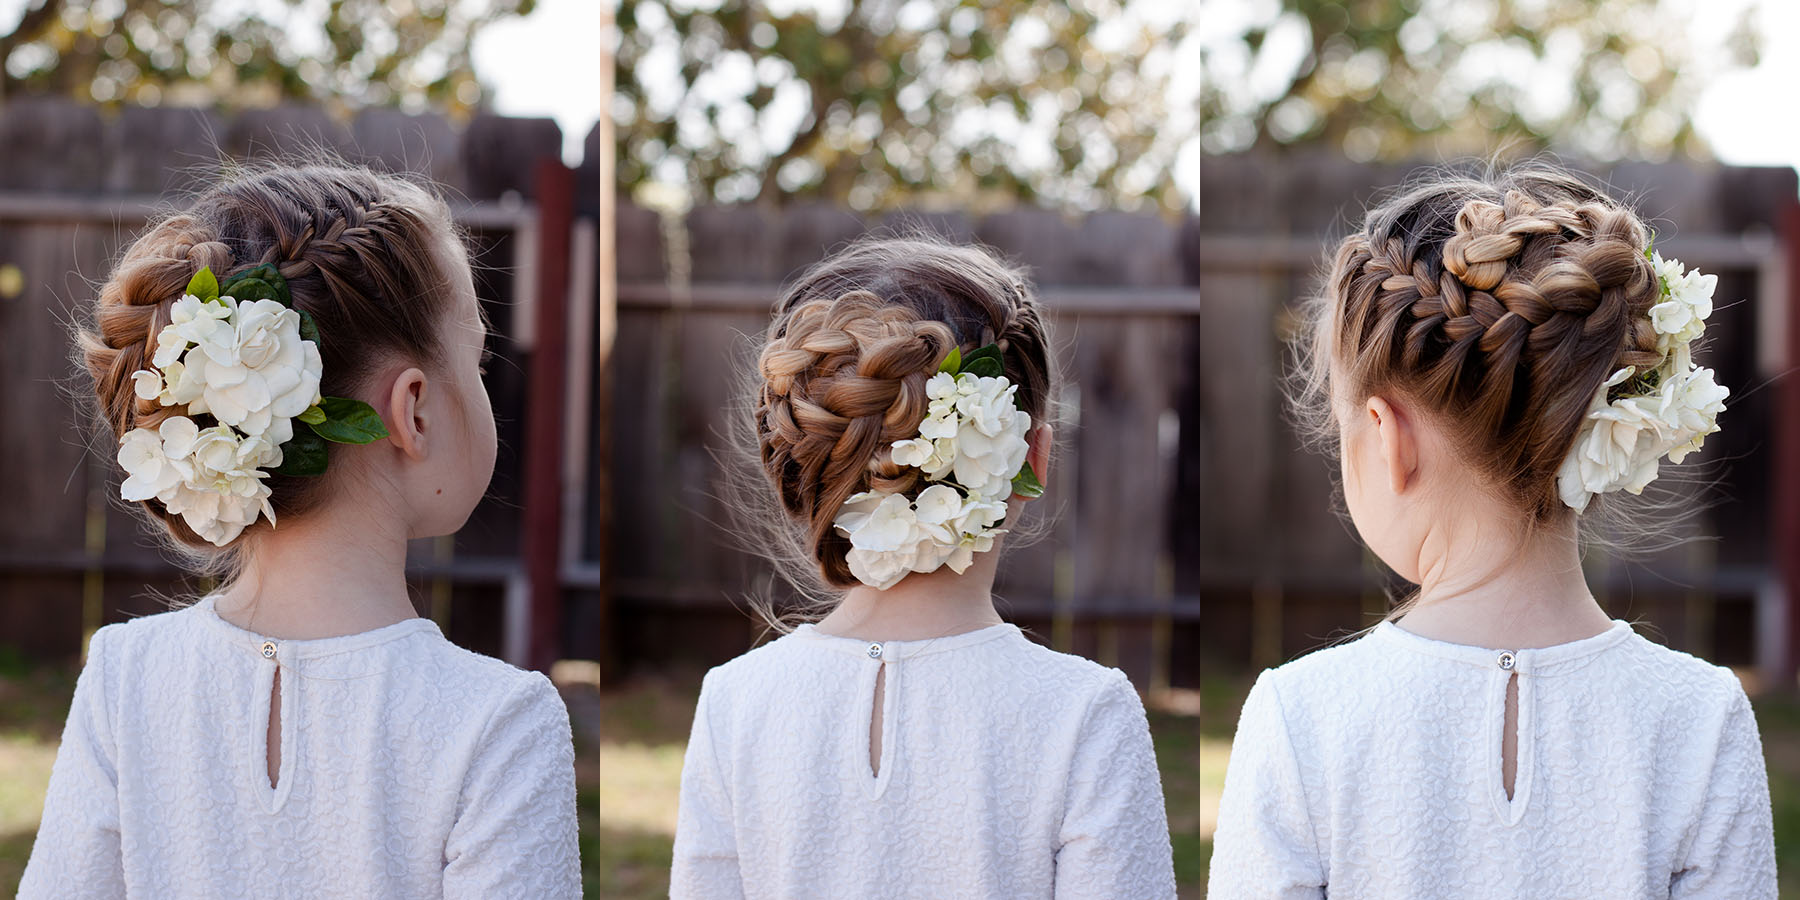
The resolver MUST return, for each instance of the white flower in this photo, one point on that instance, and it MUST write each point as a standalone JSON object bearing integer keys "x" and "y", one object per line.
{"x": 1622, "y": 442}
{"x": 1690, "y": 405}
{"x": 1680, "y": 317}
{"x": 257, "y": 370}
{"x": 987, "y": 402}
{"x": 155, "y": 462}
{"x": 986, "y": 464}
{"x": 939, "y": 504}
{"x": 147, "y": 383}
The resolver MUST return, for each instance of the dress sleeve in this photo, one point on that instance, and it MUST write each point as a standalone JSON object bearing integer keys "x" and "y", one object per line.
{"x": 515, "y": 831}
{"x": 1114, "y": 838}
{"x": 1265, "y": 846}
{"x": 705, "y": 858}
{"x": 706, "y": 845}
{"x": 1731, "y": 851}
{"x": 77, "y": 852}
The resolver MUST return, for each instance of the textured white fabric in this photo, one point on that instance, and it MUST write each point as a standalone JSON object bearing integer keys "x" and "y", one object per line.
{"x": 1007, "y": 771}
{"x": 1374, "y": 769}
{"x": 409, "y": 768}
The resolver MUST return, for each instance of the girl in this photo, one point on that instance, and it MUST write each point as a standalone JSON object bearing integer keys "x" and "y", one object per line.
{"x": 1495, "y": 358}
{"x": 909, "y": 743}
{"x": 292, "y": 371}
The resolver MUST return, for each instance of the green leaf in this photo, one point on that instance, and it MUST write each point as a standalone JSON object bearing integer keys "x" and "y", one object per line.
{"x": 985, "y": 366}
{"x": 349, "y": 421}
{"x": 313, "y": 415}
{"x": 309, "y": 329}
{"x": 1026, "y": 484}
{"x": 261, "y": 283}
{"x": 204, "y": 285}
{"x": 985, "y": 362}
{"x": 304, "y": 456}
{"x": 953, "y": 362}
{"x": 245, "y": 290}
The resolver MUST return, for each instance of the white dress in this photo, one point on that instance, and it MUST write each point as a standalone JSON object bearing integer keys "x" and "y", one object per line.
{"x": 1373, "y": 769}
{"x": 1007, "y": 771}
{"x": 409, "y": 768}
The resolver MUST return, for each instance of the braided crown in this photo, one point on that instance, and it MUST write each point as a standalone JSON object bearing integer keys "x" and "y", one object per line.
{"x": 1505, "y": 324}
{"x": 841, "y": 382}
{"x": 359, "y": 250}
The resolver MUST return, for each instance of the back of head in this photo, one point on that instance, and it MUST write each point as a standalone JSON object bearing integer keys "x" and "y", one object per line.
{"x": 365, "y": 255}
{"x": 842, "y": 375}
{"x": 1500, "y": 305}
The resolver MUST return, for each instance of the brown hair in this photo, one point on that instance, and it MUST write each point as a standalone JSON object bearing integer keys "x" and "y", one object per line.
{"x": 841, "y": 375}
{"x": 1498, "y": 304}
{"x": 362, "y": 252}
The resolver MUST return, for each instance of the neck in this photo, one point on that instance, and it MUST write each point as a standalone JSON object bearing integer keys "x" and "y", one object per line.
{"x": 921, "y": 607}
{"x": 339, "y": 570}
{"x": 1527, "y": 592}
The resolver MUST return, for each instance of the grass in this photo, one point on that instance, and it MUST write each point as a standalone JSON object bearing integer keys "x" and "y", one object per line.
{"x": 646, "y": 725}
{"x": 1778, "y": 717}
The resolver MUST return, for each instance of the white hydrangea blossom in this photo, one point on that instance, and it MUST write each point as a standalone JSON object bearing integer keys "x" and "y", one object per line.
{"x": 244, "y": 364}
{"x": 1623, "y": 441}
{"x": 974, "y": 433}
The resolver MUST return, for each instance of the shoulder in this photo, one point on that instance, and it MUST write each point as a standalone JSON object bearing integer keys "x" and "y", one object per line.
{"x": 496, "y": 688}
{"x": 162, "y": 628}
{"x": 1677, "y": 686}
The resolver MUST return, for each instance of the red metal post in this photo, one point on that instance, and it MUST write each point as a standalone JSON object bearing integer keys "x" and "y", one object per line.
{"x": 540, "y": 538}
{"x": 1785, "y": 419}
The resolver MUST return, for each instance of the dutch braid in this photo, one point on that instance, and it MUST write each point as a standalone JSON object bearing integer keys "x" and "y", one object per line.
{"x": 842, "y": 372}
{"x": 1500, "y": 308}
{"x": 364, "y": 253}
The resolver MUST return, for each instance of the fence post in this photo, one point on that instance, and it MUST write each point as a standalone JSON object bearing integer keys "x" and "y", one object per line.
{"x": 1786, "y": 477}
{"x": 541, "y": 540}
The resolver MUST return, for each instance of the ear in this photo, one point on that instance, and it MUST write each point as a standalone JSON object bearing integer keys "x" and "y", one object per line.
{"x": 1037, "y": 453}
{"x": 1399, "y": 444}
{"x": 406, "y": 419}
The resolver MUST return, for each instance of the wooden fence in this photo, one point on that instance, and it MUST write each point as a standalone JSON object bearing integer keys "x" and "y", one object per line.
{"x": 1280, "y": 573}
{"x": 76, "y": 185}
{"x": 1116, "y": 574}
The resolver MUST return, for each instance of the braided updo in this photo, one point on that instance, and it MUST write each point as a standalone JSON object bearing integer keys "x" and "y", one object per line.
{"x": 364, "y": 253}
{"x": 1499, "y": 305}
{"x": 841, "y": 374}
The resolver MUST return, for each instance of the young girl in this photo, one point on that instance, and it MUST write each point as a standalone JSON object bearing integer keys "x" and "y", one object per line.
{"x": 909, "y": 743}
{"x": 1495, "y": 359}
{"x": 292, "y": 371}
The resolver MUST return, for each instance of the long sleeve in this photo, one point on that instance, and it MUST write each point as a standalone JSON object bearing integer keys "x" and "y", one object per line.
{"x": 77, "y": 852}
{"x": 1731, "y": 851}
{"x": 705, "y": 858}
{"x": 1264, "y": 846}
{"x": 1114, "y": 838}
{"x": 515, "y": 831}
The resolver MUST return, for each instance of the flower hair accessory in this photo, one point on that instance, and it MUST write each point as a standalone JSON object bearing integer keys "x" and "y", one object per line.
{"x": 1638, "y": 416}
{"x": 244, "y": 362}
{"x": 971, "y": 447}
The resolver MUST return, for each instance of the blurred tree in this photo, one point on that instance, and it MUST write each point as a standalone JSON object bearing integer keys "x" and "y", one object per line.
{"x": 408, "y": 53}
{"x": 1394, "y": 78}
{"x": 879, "y": 103}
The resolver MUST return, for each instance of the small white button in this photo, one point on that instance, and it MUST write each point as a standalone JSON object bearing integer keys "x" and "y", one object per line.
{"x": 268, "y": 649}
{"x": 1507, "y": 660}
{"x": 874, "y": 651}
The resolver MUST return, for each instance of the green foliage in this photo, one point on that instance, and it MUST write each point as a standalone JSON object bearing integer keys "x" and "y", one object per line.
{"x": 1602, "y": 79}
{"x": 304, "y": 456}
{"x": 202, "y": 52}
{"x": 204, "y": 285}
{"x": 878, "y": 107}
{"x": 349, "y": 421}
